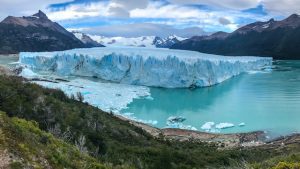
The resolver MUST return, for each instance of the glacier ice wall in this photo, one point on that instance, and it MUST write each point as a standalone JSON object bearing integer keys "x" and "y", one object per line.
{"x": 142, "y": 66}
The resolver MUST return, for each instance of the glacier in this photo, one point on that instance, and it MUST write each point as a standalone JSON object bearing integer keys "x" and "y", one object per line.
{"x": 144, "y": 66}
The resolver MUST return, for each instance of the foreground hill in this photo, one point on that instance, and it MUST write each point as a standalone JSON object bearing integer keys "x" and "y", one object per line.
{"x": 277, "y": 39}
{"x": 79, "y": 131}
{"x": 24, "y": 145}
{"x": 35, "y": 33}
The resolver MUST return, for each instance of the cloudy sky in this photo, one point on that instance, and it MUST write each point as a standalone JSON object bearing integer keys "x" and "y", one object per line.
{"x": 133, "y": 18}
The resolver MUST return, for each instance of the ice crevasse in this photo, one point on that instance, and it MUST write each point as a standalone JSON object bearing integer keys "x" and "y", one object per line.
{"x": 143, "y": 66}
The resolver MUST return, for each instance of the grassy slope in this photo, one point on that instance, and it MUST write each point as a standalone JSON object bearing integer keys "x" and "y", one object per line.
{"x": 28, "y": 146}
{"x": 109, "y": 139}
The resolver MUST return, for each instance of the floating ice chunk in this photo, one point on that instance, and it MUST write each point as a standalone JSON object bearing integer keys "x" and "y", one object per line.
{"x": 131, "y": 116}
{"x": 28, "y": 73}
{"x": 151, "y": 122}
{"x": 224, "y": 125}
{"x": 207, "y": 126}
{"x": 143, "y": 66}
{"x": 176, "y": 119}
{"x": 181, "y": 126}
{"x": 149, "y": 98}
{"x": 242, "y": 124}
{"x": 176, "y": 122}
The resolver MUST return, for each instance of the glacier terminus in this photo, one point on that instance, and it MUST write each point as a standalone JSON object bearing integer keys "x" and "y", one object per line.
{"x": 144, "y": 66}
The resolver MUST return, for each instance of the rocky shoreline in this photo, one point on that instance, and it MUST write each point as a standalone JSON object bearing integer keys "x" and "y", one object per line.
{"x": 224, "y": 141}
{"x": 250, "y": 139}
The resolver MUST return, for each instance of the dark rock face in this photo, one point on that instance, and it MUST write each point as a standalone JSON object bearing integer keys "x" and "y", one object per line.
{"x": 277, "y": 39}
{"x": 34, "y": 34}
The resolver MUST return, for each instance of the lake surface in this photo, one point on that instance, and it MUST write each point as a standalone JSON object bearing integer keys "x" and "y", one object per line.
{"x": 7, "y": 59}
{"x": 263, "y": 101}
{"x": 268, "y": 101}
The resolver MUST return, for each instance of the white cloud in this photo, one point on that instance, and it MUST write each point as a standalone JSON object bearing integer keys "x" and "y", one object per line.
{"x": 121, "y": 8}
{"x": 113, "y": 8}
{"x": 131, "y": 4}
{"x": 179, "y": 15}
{"x": 160, "y": 13}
{"x": 143, "y": 29}
{"x": 276, "y": 7}
{"x": 159, "y": 10}
{"x": 77, "y": 11}
{"x": 230, "y": 4}
{"x": 284, "y": 7}
{"x": 118, "y": 12}
{"x": 223, "y": 15}
{"x": 224, "y": 21}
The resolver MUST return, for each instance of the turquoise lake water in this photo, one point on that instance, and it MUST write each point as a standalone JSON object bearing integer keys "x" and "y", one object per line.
{"x": 268, "y": 101}
{"x": 7, "y": 59}
{"x": 263, "y": 101}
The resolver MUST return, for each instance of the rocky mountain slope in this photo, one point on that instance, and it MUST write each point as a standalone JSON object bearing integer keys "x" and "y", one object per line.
{"x": 35, "y": 33}
{"x": 277, "y": 39}
{"x": 87, "y": 40}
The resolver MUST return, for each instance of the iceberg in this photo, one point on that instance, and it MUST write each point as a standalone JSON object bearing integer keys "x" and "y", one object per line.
{"x": 144, "y": 66}
{"x": 207, "y": 126}
{"x": 215, "y": 128}
{"x": 176, "y": 119}
{"x": 242, "y": 124}
{"x": 224, "y": 125}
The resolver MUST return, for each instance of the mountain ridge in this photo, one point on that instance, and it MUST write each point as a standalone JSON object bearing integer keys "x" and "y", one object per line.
{"x": 35, "y": 33}
{"x": 277, "y": 39}
{"x": 142, "y": 41}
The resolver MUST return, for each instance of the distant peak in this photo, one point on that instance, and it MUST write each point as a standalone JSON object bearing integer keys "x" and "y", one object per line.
{"x": 294, "y": 16}
{"x": 41, "y": 15}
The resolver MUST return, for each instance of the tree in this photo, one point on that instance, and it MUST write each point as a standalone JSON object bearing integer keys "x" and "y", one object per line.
{"x": 80, "y": 144}
{"x": 80, "y": 97}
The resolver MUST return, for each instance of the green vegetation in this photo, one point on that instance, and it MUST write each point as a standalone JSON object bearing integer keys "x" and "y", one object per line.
{"x": 289, "y": 161}
{"x": 99, "y": 136}
{"x": 31, "y": 147}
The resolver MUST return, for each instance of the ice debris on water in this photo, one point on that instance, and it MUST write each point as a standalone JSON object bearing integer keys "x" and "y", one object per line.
{"x": 242, "y": 124}
{"x": 177, "y": 122}
{"x": 207, "y": 126}
{"x": 216, "y": 128}
{"x": 224, "y": 125}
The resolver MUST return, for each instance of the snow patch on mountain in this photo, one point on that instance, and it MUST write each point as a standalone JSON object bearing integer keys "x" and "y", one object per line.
{"x": 87, "y": 40}
{"x": 143, "y": 41}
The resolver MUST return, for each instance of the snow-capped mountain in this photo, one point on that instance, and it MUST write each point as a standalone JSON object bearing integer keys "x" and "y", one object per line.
{"x": 88, "y": 41}
{"x": 166, "y": 42}
{"x": 143, "y": 41}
